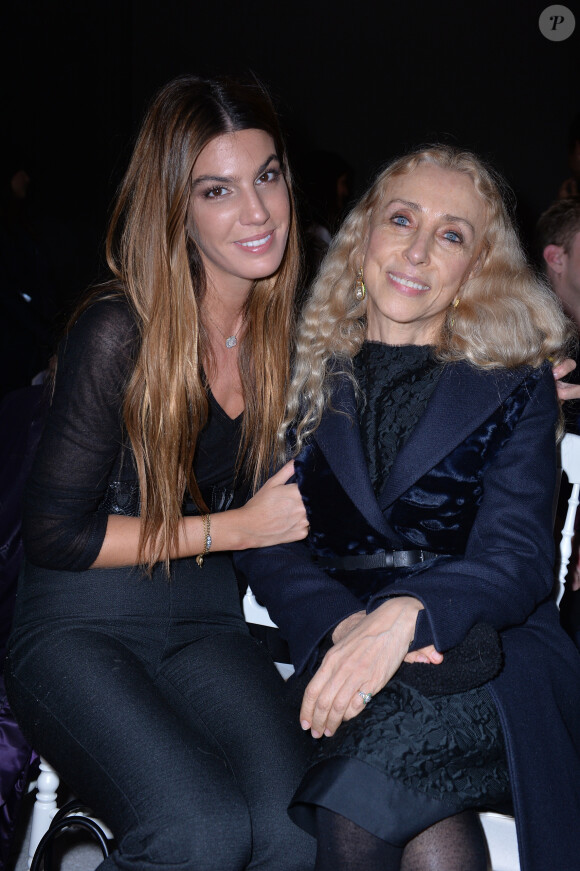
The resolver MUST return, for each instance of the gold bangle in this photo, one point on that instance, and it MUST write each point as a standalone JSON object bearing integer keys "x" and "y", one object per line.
{"x": 206, "y": 539}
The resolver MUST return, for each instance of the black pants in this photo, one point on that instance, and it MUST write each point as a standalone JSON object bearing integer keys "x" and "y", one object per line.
{"x": 159, "y": 710}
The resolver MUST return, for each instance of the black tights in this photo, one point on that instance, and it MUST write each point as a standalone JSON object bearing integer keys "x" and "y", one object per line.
{"x": 454, "y": 844}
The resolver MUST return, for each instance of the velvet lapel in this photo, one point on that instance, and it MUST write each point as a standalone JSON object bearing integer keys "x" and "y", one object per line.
{"x": 338, "y": 437}
{"x": 462, "y": 400}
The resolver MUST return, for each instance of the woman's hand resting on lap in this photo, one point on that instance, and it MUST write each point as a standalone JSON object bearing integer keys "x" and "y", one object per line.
{"x": 368, "y": 649}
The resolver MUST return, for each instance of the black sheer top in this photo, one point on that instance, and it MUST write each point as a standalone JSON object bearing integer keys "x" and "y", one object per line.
{"x": 84, "y": 469}
{"x": 396, "y": 382}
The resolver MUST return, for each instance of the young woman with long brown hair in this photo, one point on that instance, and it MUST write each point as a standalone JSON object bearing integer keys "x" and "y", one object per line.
{"x": 131, "y": 668}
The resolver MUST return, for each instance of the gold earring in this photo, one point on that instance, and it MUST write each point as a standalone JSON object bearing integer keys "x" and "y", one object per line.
{"x": 360, "y": 290}
{"x": 454, "y": 304}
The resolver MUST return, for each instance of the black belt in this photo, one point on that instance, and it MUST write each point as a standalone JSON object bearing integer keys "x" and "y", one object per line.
{"x": 382, "y": 559}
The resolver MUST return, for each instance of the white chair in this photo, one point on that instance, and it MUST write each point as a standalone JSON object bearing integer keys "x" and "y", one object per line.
{"x": 45, "y": 811}
{"x": 570, "y": 459}
{"x": 45, "y": 806}
{"x": 258, "y": 615}
{"x": 500, "y": 829}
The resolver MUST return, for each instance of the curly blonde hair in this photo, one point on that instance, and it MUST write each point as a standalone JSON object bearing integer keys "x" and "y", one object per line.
{"x": 508, "y": 315}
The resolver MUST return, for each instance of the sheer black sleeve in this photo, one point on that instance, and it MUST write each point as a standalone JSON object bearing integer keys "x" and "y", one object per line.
{"x": 83, "y": 437}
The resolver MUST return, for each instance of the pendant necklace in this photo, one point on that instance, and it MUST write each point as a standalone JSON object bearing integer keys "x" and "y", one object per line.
{"x": 231, "y": 341}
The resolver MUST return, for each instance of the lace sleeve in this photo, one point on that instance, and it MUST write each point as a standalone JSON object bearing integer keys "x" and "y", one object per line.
{"x": 62, "y": 526}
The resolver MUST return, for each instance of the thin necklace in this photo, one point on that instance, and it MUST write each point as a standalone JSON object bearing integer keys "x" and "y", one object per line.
{"x": 231, "y": 341}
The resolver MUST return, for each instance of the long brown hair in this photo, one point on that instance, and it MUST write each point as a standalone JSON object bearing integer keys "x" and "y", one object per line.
{"x": 161, "y": 274}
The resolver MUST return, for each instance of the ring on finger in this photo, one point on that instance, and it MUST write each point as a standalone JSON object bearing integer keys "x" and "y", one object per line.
{"x": 366, "y": 697}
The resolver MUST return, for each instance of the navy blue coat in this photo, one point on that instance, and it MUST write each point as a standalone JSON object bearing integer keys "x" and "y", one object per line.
{"x": 474, "y": 483}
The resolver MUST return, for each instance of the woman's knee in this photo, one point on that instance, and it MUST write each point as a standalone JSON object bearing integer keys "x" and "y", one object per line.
{"x": 203, "y": 840}
{"x": 285, "y": 848}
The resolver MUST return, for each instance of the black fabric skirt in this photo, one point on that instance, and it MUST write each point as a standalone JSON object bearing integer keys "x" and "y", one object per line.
{"x": 406, "y": 762}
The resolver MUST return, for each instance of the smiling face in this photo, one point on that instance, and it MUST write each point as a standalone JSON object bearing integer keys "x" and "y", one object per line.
{"x": 239, "y": 210}
{"x": 424, "y": 242}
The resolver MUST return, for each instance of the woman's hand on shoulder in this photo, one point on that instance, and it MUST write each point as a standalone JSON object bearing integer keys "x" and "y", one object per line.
{"x": 565, "y": 390}
{"x": 361, "y": 661}
{"x": 275, "y": 515}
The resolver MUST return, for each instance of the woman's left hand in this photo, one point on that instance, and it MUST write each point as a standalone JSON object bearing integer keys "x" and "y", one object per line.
{"x": 427, "y": 655}
{"x": 360, "y": 662}
{"x": 564, "y": 389}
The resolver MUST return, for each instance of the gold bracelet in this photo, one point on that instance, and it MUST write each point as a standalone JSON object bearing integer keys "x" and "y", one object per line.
{"x": 206, "y": 539}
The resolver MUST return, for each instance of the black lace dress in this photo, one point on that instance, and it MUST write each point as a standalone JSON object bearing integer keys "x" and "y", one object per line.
{"x": 408, "y": 759}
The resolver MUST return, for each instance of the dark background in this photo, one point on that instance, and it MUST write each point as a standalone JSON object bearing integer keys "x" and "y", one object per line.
{"x": 365, "y": 79}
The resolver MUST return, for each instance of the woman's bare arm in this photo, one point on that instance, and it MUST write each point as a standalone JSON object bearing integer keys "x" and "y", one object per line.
{"x": 275, "y": 515}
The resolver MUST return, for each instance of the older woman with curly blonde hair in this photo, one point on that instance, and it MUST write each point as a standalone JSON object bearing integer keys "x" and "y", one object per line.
{"x": 424, "y": 420}
{"x": 507, "y": 315}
